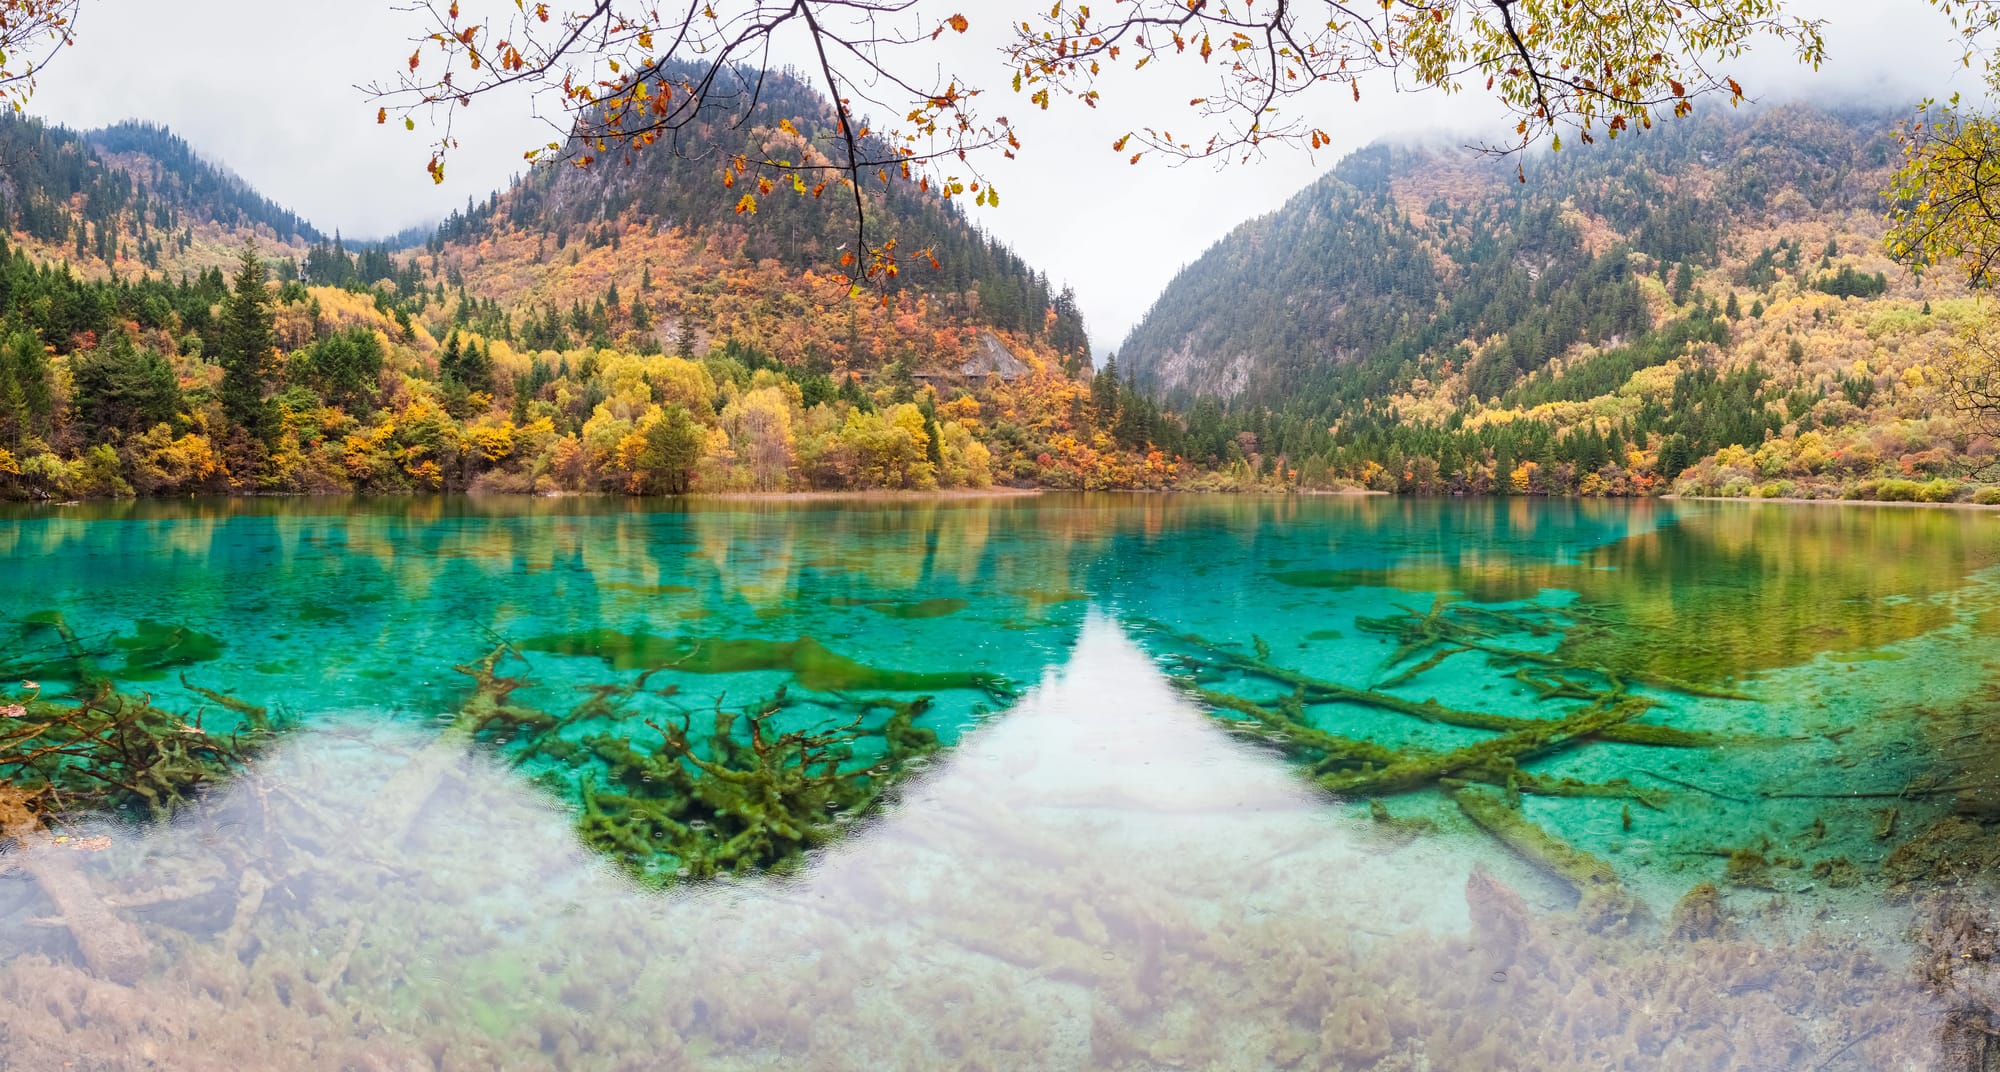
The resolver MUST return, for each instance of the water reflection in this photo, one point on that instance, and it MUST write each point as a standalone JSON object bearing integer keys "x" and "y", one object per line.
{"x": 1097, "y": 876}
{"x": 1103, "y": 879}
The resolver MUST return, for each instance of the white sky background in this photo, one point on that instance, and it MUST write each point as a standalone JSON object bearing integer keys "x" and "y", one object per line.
{"x": 266, "y": 88}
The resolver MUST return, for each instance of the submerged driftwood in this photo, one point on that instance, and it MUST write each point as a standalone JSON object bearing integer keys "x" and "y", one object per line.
{"x": 1602, "y": 899}
{"x": 99, "y": 749}
{"x": 1485, "y": 778}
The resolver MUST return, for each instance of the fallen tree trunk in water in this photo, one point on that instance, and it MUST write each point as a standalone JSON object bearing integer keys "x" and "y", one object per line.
{"x": 1601, "y": 898}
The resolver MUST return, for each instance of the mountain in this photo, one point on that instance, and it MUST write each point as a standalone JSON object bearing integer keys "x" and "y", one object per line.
{"x": 632, "y": 326}
{"x": 130, "y": 197}
{"x": 1614, "y": 317}
{"x": 1399, "y": 254}
{"x": 664, "y": 222}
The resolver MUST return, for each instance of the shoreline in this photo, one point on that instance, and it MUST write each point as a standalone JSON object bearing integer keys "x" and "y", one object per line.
{"x": 1794, "y": 501}
{"x": 974, "y": 494}
{"x": 859, "y": 494}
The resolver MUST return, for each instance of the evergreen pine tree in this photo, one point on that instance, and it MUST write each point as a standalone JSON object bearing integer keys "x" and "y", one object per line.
{"x": 475, "y": 368}
{"x": 448, "y": 361}
{"x": 24, "y": 366}
{"x": 247, "y": 339}
{"x": 934, "y": 440}
{"x": 673, "y": 445}
{"x": 518, "y": 412}
{"x": 1104, "y": 392}
{"x": 13, "y": 409}
{"x": 684, "y": 342}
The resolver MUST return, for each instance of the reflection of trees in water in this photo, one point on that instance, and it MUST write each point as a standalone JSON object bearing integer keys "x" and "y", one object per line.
{"x": 1062, "y": 911}
{"x": 1724, "y": 592}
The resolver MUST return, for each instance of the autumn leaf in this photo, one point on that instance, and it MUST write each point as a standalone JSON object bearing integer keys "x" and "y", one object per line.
{"x": 747, "y": 204}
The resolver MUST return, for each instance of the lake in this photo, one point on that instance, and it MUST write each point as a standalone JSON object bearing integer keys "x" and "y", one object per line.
{"x": 1060, "y": 781}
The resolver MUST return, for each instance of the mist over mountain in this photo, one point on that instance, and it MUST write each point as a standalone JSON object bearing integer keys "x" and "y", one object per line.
{"x": 1406, "y": 256}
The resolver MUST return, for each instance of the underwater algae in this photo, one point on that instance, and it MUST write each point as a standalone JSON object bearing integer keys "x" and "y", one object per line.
{"x": 49, "y": 647}
{"x": 101, "y": 746}
{"x": 743, "y": 797}
{"x": 938, "y": 607}
{"x": 811, "y": 663}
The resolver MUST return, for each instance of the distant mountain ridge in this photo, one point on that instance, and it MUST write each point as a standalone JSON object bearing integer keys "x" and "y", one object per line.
{"x": 132, "y": 196}
{"x": 1400, "y": 258}
{"x": 1706, "y": 307}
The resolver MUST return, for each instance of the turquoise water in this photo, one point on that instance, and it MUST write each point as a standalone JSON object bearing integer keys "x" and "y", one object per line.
{"x": 1102, "y": 781}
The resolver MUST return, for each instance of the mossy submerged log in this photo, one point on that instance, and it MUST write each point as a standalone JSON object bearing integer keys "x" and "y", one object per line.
{"x": 752, "y": 797}
{"x": 1323, "y": 752}
{"x": 94, "y": 750}
{"x": 744, "y": 796}
{"x": 1468, "y": 627}
{"x": 810, "y": 662}
{"x": 1319, "y": 690}
{"x": 1603, "y": 710}
{"x": 1423, "y": 769}
{"x": 1603, "y": 902}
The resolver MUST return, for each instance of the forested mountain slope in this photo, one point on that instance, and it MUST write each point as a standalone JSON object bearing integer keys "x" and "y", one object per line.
{"x": 1604, "y": 319}
{"x": 631, "y": 326}
{"x": 130, "y": 198}
{"x": 583, "y": 246}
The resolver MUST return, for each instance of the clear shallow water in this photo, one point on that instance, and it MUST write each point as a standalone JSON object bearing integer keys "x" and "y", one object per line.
{"x": 1087, "y": 868}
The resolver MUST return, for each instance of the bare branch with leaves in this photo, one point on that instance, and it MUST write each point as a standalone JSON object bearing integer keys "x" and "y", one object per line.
{"x": 32, "y": 32}
{"x": 620, "y": 78}
{"x": 1556, "y": 66}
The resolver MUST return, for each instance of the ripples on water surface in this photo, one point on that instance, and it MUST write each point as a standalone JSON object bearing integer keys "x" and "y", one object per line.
{"x": 1062, "y": 782}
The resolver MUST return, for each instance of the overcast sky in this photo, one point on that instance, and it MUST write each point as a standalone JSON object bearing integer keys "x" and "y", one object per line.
{"x": 266, "y": 88}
